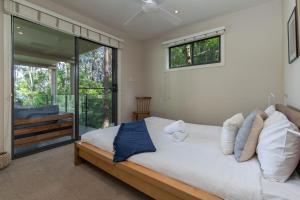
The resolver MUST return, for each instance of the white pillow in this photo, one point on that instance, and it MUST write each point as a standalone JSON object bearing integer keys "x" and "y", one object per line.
{"x": 229, "y": 132}
{"x": 276, "y": 117}
{"x": 270, "y": 110}
{"x": 278, "y": 149}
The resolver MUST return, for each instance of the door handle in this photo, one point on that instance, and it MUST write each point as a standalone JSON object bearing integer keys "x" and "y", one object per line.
{"x": 115, "y": 88}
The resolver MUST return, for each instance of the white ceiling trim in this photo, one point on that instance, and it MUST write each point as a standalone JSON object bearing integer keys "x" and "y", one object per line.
{"x": 195, "y": 37}
{"x": 37, "y": 14}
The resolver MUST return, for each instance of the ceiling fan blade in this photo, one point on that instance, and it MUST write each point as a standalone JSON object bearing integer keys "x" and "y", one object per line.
{"x": 175, "y": 20}
{"x": 129, "y": 20}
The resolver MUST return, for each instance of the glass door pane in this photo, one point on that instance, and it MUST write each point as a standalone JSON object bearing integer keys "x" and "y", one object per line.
{"x": 44, "y": 86}
{"x": 95, "y": 86}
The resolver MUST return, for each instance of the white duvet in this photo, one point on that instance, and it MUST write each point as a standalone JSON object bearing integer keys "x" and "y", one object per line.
{"x": 198, "y": 161}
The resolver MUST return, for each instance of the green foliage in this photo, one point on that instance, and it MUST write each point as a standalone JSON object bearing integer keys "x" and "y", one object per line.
{"x": 32, "y": 86}
{"x": 207, "y": 51}
{"x": 204, "y": 52}
{"x": 92, "y": 88}
{"x": 63, "y": 78}
{"x": 181, "y": 56}
{"x": 91, "y": 74}
{"x": 92, "y": 115}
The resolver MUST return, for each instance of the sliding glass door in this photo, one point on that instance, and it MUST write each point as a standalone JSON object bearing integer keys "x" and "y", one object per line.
{"x": 63, "y": 87}
{"x": 43, "y": 87}
{"x": 97, "y": 86}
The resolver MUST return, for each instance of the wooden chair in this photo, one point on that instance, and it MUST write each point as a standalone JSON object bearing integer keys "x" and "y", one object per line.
{"x": 143, "y": 108}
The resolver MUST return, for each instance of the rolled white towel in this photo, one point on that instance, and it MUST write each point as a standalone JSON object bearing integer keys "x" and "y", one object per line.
{"x": 178, "y": 126}
{"x": 179, "y": 136}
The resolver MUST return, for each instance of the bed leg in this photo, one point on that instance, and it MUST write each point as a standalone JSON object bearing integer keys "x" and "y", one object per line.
{"x": 77, "y": 159}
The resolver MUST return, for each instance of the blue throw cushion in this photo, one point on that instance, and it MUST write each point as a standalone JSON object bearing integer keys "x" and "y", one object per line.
{"x": 132, "y": 138}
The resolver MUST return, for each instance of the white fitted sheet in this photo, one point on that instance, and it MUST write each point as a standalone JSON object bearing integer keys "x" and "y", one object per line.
{"x": 289, "y": 190}
{"x": 198, "y": 161}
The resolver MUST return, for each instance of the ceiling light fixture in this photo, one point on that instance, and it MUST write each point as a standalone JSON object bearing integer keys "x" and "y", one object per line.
{"x": 20, "y": 33}
{"x": 149, "y": 1}
{"x": 176, "y": 11}
{"x": 18, "y": 27}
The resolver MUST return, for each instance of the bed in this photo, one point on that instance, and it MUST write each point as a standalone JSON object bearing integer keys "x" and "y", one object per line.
{"x": 196, "y": 168}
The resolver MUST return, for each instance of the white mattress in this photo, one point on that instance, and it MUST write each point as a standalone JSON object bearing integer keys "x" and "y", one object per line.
{"x": 198, "y": 161}
{"x": 289, "y": 190}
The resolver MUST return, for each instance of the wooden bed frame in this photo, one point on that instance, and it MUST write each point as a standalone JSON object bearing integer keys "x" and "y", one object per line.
{"x": 156, "y": 185}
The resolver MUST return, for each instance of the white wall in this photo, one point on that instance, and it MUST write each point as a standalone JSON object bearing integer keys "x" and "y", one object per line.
{"x": 291, "y": 71}
{"x": 252, "y": 70}
{"x": 132, "y": 83}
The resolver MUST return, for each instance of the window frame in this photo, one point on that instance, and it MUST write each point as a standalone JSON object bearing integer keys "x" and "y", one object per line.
{"x": 195, "y": 65}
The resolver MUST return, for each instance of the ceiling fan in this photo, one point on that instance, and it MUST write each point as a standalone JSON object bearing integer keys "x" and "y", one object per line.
{"x": 152, "y": 6}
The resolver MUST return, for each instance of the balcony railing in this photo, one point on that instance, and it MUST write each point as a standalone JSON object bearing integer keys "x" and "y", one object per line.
{"x": 91, "y": 106}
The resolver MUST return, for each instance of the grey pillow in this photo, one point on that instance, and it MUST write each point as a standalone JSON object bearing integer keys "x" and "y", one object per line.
{"x": 247, "y": 137}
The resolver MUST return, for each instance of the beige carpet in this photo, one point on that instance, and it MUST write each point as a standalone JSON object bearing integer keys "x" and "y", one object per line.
{"x": 51, "y": 175}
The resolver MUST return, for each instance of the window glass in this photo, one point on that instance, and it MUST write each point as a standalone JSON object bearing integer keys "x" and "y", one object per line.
{"x": 95, "y": 86}
{"x": 44, "y": 87}
{"x": 206, "y": 51}
{"x": 181, "y": 56}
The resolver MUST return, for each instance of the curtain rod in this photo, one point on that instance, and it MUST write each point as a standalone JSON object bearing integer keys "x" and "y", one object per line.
{"x": 195, "y": 36}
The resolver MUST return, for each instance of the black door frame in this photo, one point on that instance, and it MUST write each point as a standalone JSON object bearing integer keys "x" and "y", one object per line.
{"x": 76, "y": 136}
{"x": 39, "y": 149}
{"x": 114, "y": 83}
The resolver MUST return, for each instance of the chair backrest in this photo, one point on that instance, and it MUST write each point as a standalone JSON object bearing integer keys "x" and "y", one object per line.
{"x": 143, "y": 104}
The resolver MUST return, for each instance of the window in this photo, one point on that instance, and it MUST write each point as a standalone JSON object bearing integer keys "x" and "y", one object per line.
{"x": 201, "y": 52}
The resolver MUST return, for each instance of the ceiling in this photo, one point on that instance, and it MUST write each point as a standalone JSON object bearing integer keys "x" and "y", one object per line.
{"x": 115, "y": 13}
{"x": 37, "y": 45}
